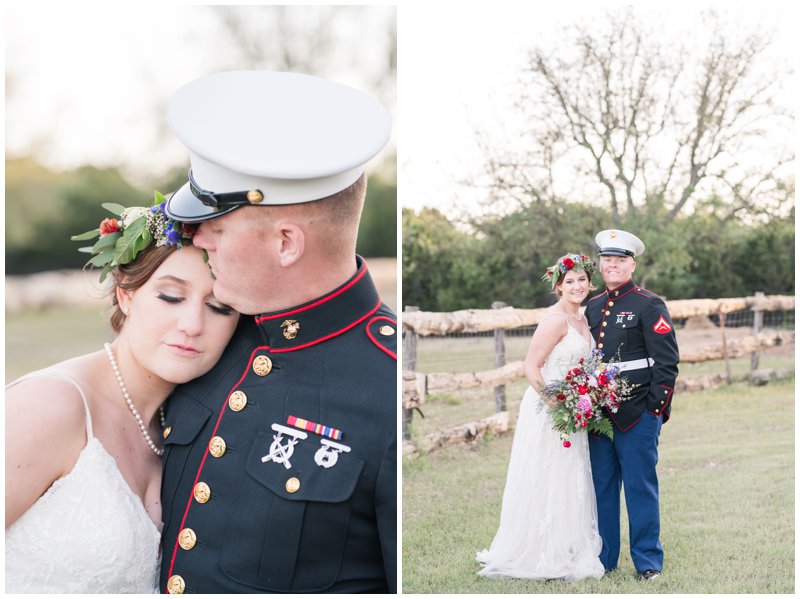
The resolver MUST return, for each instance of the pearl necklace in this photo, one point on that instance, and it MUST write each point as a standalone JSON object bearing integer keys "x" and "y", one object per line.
{"x": 156, "y": 450}
{"x": 578, "y": 317}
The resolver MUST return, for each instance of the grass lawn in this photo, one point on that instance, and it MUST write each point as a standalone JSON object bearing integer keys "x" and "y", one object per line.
{"x": 726, "y": 473}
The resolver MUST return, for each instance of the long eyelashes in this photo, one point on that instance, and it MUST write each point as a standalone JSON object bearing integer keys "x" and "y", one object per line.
{"x": 225, "y": 311}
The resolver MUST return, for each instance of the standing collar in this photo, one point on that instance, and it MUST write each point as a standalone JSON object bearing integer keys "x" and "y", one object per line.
{"x": 324, "y": 317}
{"x": 622, "y": 289}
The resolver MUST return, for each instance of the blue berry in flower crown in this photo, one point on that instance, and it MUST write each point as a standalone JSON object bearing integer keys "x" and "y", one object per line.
{"x": 136, "y": 228}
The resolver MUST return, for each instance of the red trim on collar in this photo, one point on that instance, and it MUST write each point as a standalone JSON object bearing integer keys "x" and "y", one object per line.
{"x": 205, "y": 455}
{"x": 334, "y": 334}
{"x": 375, "y": 341}
{"x": 620, "y": 286}
{"x": 320, "y": 301}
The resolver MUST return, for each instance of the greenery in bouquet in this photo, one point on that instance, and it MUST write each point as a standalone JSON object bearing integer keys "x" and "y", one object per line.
{"x": 579, "y": 398}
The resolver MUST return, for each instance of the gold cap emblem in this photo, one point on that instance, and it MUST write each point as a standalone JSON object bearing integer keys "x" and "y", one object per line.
{"x": 175, "y": 585}
{"x": 612, "y": 234}
{"x": 291, "y": 328}
{"x": 262, "y": 365}
{"x": 254, "y": 196}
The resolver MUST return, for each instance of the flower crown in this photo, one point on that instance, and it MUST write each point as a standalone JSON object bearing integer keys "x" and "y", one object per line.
{"x": 121, "y": 239}
{"x": 568, "y": 262}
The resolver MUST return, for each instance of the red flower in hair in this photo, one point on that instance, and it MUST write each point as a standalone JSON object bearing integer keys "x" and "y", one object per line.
{"x": 569, "y": 263}
{"x": 188, "y": 230}
{"x": 108, "y": 226}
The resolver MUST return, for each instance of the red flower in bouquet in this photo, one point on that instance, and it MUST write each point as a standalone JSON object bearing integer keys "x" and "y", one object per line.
{"x": 568, "y": 262}
{"x": 584, "y": 396}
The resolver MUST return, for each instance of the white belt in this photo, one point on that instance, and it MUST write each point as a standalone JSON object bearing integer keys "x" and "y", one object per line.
{"x": 636, "y": 364}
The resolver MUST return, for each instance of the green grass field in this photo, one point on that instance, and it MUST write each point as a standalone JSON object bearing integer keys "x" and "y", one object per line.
{"x": 726, "y": 474}
{"x": 36, "y": 339}
{"x": 446, "y": 410}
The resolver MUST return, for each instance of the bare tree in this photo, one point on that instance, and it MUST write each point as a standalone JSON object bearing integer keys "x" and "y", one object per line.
{"x": 649, "y": 126}
{"x": 318, "y": 40}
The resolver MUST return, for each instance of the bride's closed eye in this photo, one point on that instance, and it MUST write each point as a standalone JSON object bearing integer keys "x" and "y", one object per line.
{"x": 217, "y": 309}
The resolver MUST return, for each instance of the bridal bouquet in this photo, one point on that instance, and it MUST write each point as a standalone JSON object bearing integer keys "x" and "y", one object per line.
{"x": 583, "y": 393}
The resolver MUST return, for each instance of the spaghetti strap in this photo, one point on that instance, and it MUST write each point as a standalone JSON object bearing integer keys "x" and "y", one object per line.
{"x": 63, "y": 375}
{"x": 555, "y": 312}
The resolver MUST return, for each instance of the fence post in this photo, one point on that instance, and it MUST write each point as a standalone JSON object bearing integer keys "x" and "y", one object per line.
{"x": 758, "y": 322}
{"x": 499, "y": 360}
{"x": 409, "y": 363}
{"x": 725, "y": 347}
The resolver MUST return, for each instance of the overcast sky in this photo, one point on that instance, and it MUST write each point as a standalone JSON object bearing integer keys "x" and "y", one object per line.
{"x": 457, "y": 72}
{"x": 90, "y": 83}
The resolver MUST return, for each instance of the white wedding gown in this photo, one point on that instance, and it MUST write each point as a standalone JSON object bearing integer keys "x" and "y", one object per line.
{"x": 88, "y": 533}
{"x": 548, "y": 522}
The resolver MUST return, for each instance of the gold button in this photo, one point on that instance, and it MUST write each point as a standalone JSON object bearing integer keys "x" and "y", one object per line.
{"x": 292, "y": 485}
{"x": 602, "y": 334}
{"x": 608, "y": 313}
{"x": 167, "y": 431}
{"x": 656, "y": 411}
{"x": 600, "y": 345}
{"x": 662, "y": 402}
{"x": 176, "y": 585}
{"x": 237, "y": 401}
{"x": 604, "y": 323}
{"x": 187, "y": 539}
{"x": 254, "y": 196}
{"x": 262, "y": 365}
{"x": 202, "y": 492}
{"x": 610, "y": 303}
{"x": 386, "y": 331}
{"x": 665, "y": 391}
{"x": 217, "y": 447}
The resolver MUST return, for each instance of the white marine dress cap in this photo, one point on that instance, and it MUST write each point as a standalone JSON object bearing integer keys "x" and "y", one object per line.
{"x": 270, "y": 138}
{"x": 615, "y": 242}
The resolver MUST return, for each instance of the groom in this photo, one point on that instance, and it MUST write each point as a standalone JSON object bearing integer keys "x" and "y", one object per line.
{"x": 635, "y": 323}
{"x": 280, "y": 464}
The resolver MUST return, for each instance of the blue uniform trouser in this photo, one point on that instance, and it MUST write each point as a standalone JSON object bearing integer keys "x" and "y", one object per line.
{"x": 629, "y": 461}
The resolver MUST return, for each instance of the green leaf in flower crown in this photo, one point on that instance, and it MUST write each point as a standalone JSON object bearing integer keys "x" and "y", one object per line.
{"x": 106, "y": 241}
{"x": 106, "y": 270}
{"x": 114, "y": 208}
{"x": 159, "y": 199}
{"x": 85, "y": 236}
{"x": 101, "y": 259}
{"x": 86, "y": 250}
{"x": 142, "y": 241}
{"x": 125, "y": 250}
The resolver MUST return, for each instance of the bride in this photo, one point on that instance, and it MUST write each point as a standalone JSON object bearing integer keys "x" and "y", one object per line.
{"x": 548, "y": 522}
{"x": 83, "y": 465}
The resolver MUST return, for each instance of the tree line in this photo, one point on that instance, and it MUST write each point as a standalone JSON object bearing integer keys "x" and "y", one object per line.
{"x": 452, "y": 267}
{"x": 44, "y": 208}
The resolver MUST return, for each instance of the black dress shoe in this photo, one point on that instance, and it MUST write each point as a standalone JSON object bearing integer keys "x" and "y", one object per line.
{"x": 649, "y": 575}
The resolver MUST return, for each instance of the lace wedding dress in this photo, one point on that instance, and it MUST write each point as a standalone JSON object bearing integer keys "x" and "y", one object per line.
{"x": 88, "y": 533}
{"x": 548, "y": 522}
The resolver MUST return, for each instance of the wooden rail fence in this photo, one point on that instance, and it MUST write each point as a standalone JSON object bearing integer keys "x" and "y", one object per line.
{"x": 416, "y": 385}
